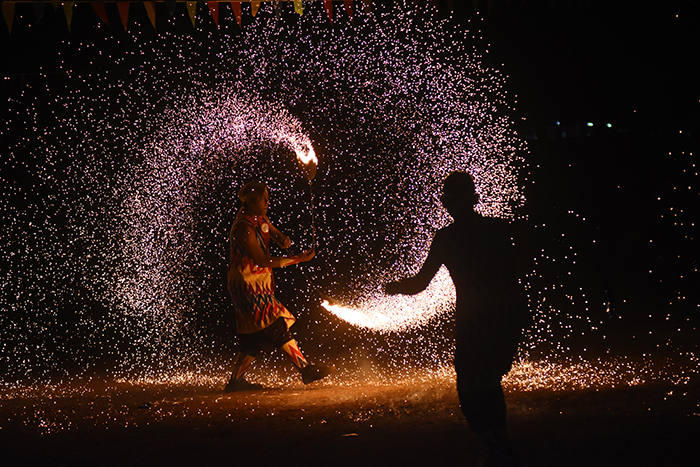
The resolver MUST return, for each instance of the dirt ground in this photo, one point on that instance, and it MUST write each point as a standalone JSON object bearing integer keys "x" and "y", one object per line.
{"x": 339, "y": 423}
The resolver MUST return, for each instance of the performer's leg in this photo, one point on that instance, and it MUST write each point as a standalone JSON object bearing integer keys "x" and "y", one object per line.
{"x": 279, "y": 335}
{"x": 291, "y": 348}
{"x": 241, "y": 365}
{"x": 485, "y": 410}
{"x": 250, "y": 344}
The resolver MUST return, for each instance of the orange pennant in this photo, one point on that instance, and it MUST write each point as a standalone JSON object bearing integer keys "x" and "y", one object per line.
{"x": 151, "y": 10}
{"x": 254, "y": 5}
{"x": 124, "y": 12}
{"x": 99, "y": 8}
{"x": 8, "y": 12}
{"x": 192, "y": 11}
{"x": 236, "y": 6}
{"x": 348, "y": 8}
{"x": 329, "y": 9}
{"x": 214, "y": 10}
{"x": 368, "y": 5}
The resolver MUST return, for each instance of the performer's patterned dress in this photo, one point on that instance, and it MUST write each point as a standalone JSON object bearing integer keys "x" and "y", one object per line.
{"x": 251, "y": 287}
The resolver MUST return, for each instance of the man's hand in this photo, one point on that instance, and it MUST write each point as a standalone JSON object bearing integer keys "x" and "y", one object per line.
{"x": 307, "y": 255}
{"x": 284, "y": 242}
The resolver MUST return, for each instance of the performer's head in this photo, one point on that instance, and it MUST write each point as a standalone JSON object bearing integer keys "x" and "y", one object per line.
{"x": 459, "y": 194}
{"x": 255, "y": 198}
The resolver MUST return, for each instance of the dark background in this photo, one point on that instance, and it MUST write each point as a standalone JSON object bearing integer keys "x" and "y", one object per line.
{"x": 571, "y": 63}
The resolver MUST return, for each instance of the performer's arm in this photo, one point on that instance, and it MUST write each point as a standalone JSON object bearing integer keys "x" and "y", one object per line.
{"x": 418, "y": 283}
{"x": 245, "y": 235}
{"x": 279, "y": 238}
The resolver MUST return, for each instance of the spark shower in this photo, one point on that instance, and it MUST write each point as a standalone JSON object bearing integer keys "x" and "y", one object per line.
{"x": 119, "y": 188}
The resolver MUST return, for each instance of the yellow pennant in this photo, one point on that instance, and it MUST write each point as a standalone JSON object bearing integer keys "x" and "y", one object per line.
{"x": 299, "y": 7}
{"x": 192, "y": 10}
{"x": 254, "y": 7}
{"x": 68, "y": 9}
{"x": 8, "y": 12}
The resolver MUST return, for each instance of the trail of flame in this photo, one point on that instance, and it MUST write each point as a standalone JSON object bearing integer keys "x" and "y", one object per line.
{"x": 386, "y": 313}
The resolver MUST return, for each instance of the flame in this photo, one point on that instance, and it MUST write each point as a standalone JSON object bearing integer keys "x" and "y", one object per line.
{"x": 395, "y": 313}
{"x": 306, "y": 155}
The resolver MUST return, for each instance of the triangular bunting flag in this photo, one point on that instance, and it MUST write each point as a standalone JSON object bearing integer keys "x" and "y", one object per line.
{"x": 99, "y": 8}
{"x": 56, "y": 4}
{"x": 170, "y": 7}
{"x": 278, "y": 11}
{"x": 124, "y": 12}
{"x": 329, "y": 9}
{"x": 214, "y": 10}
{"x": 151, "y": 10}
{"x": 368, "y": 5}
{"x": 236, "y": 6}
{"x": 192, "y": 11}
{"x": 299, "y": 7}
{"x": 68, "y": 10}
{"x": 254, "y": 5}
{"x": 417, "y": 3}
{"x": 8, "y": 12}
{"x": 38, "y": 11}
{"x": 348, "y": 8}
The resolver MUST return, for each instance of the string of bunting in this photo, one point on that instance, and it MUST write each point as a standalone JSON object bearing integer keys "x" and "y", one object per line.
{"x": 214, "y": 7}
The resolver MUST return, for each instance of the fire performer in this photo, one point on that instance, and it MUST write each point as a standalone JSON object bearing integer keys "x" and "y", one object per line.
{"x": 261, "y": 320}
{"x": 490, "y": 312}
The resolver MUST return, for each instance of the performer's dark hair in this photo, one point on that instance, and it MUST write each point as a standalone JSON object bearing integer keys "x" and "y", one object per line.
{"x": 251, "y": 191}
{"x": 458, "y": 193}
